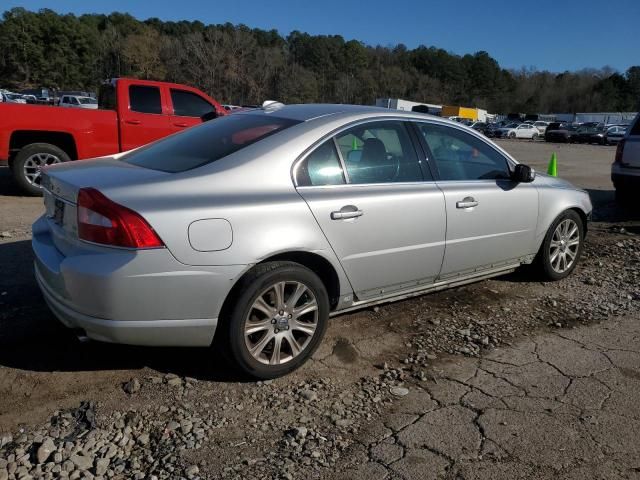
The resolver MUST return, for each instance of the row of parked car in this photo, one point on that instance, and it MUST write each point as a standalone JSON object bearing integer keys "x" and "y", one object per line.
{"x": 566, "y": 132}
{"x": 71, "y": 101}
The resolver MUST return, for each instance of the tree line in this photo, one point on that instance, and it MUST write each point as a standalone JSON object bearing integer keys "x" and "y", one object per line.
{"x": 241, "y": 65}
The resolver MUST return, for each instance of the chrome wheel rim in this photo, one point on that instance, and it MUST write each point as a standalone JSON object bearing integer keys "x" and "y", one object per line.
{"x": 565, "y": 243}
{"x": 281, "y": 322}
{"x": 33, "y": 166}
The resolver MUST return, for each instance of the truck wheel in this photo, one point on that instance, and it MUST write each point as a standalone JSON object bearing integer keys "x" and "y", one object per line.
{"x": 29, "y": 162}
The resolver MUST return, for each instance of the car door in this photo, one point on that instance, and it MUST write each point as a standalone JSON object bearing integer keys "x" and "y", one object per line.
{"x": 188, "y": 109}
{"x": 144, "y": 119}
{"x": 491, "y": 220}
{"x": 523, "y": 131}
{"x": 377, "y": 205}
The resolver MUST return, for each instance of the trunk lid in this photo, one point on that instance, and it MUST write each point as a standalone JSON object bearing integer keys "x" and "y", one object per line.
{"x": 62, "y": 182}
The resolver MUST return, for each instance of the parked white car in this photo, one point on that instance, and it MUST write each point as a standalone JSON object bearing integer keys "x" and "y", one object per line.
{"x": 514, "y": 130}
{"x": 541, "y": 126}
{"x": 76, "y": 101}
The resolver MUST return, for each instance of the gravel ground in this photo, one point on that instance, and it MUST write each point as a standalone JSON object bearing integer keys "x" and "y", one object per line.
{"x": 74, "y": 410}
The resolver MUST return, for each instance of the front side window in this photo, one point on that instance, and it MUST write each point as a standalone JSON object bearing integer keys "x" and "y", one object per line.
{"x": 207, "y": 143}
{"x": 461, "y": 156}
{"x": 321, "y": 167}
{"x": 143, "y": 99}
{"x": 379, "y": 152}
{"x": 188, "y": 104}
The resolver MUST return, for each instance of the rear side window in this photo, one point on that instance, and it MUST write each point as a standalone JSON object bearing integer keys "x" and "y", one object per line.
{"x": 207, "y": 143}
{"x": 188, "y": 104}
{"x": 379, "y": 152}
{"x": 321, "y": 167}
{"x": 143, "y": 99}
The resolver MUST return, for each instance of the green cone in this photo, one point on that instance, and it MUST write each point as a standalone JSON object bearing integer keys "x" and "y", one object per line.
{"x": 553, "y": 165}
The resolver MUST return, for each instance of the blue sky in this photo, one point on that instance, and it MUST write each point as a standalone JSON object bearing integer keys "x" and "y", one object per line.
{"x": 553, "y": 35}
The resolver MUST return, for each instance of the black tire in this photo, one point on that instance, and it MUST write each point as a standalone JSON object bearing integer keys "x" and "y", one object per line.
{"x": 512, "y": 135}
{"x": 542, "y": 261}
{"x": 255, "y": 283}
{"x": 534, "y": 137}
{"x": 18, "y": 165}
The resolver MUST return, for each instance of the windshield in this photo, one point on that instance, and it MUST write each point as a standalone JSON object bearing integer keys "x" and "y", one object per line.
{"x": 88, "y": 101}
{"x": 207, "y": 143}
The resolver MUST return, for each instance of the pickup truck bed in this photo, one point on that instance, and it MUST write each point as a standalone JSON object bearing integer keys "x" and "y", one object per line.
{"x": 134, "y": 113}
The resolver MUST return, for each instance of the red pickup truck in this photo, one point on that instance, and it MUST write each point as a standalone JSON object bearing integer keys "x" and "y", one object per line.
{"x": 132, "y": 113}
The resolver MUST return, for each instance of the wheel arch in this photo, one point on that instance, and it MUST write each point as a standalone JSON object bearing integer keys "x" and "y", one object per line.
{"x": 63, "y": 140}
{"x": 313, "y": 261}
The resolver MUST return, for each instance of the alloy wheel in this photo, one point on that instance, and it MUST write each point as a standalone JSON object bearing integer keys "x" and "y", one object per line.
{"x": 281, "y": 322}
{"x": 33, "y": 166}
{"x": 563, "y": 249}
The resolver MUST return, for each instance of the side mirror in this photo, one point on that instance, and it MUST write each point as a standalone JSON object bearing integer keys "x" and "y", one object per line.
{"x": 212, "y": 115}
{"x": 523, "y": 174}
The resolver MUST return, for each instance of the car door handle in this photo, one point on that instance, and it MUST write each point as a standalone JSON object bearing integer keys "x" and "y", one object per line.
{"x": 346, "y": 212}
{"x": 133, "y": 122}
{"x": 467, "y": 202}
{"x": 181, "y": 125}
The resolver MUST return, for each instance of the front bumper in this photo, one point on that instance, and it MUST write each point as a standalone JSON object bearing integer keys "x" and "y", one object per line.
{"x": 131, "y": 297}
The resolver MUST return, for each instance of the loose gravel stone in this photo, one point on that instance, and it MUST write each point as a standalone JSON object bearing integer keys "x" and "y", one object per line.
{"x": 45, "y": 450}
{"x": 132, "y": 386}
{"x": 399, "y": 391}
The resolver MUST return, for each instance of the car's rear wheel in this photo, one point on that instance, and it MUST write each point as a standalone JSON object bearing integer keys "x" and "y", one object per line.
{"x": 277, "y": 320}
{"x": 28, "y": 164}
{"x": 562, "y": 246}
{"x": 534, "y": 137}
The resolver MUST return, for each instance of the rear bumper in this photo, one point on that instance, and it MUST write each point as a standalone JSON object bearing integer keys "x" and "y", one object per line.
{"x": 136, "y": 298}
{"x": 187, "y": 332}
{"x": 627, "y": 178}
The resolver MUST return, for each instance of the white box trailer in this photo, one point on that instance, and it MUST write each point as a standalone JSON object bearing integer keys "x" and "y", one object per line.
{"x": 409, "y": 106}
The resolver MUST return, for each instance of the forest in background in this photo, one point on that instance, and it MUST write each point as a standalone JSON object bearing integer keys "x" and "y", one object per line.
{"x": 241, "y": 65}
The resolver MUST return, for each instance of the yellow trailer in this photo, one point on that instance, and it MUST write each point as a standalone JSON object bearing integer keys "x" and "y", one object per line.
{"x": 463, "y": 112}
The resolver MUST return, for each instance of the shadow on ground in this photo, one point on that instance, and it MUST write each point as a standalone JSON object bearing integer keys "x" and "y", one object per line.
{"x": 606, "y": 209}
{"x": 8, "y": 187}
{"x": 31, "y": 338}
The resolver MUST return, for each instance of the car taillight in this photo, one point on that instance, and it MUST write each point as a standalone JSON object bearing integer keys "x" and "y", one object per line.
{"x": 101, "y": 220}
{"x": 619, "y": 151}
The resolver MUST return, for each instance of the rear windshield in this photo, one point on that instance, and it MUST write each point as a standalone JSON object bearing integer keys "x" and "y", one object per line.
{"x": 207, "y": 143}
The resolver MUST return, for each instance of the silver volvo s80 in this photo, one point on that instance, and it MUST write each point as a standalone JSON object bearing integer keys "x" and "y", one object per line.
{"x": 257, "y": 227}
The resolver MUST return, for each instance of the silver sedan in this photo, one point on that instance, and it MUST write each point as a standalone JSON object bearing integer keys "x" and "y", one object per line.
{"x": 253, "y": 229}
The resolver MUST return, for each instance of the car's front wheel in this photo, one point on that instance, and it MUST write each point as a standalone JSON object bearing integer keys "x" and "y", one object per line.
{"x": 562, "y": 246}
{"x": 277, "y": 320}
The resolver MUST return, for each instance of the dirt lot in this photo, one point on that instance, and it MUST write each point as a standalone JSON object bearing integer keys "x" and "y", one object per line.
{"x": 395, "y": 391}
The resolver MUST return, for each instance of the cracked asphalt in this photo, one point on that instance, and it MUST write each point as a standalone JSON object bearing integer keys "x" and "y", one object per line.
{"x": 561, "y": 405}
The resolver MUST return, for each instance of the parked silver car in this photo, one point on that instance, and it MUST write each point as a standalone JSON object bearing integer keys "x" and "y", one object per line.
{"x": 259, "y": 226}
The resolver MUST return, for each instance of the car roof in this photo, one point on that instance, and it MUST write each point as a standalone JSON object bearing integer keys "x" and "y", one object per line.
{"x": 312, "y": 111}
